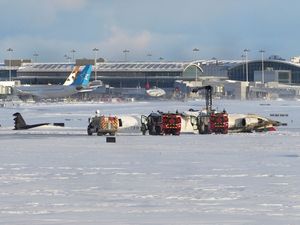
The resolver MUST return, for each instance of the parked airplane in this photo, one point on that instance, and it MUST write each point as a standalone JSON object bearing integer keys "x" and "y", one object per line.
{"x": 71, "y": 86}
{"x": 155, "y": 92}
{"x": 71, "y": 78}
{"x": 20, "y": 123}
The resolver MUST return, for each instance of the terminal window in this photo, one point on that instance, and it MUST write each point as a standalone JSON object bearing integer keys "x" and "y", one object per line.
{"x": 284, "y": 77}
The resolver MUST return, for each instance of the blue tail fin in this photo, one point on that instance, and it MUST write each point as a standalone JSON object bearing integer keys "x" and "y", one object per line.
{"x": 83, "y": 77}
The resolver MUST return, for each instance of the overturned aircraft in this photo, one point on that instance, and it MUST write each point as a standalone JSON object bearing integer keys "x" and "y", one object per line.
{"x": 204, "y": 123}
{"x": 239, "y": 123}
{"x": 20, "y": 123}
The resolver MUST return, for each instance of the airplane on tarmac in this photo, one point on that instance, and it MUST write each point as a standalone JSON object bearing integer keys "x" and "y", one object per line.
{"x": 72, "y": 85}
{"x": 247, "y": 123}
{"x": 237, "y": 123}
{"x": 154, "y": 91}
{"x": 72, "y": 76}
{"x": 189, "y": 123}
{"x": 20, "y": 123}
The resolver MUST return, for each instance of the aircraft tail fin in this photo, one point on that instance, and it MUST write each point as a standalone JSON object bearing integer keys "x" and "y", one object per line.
{"x": 83, "y": 77}
{"x": 19, "y": 121}
{"x": 71, "y": 78}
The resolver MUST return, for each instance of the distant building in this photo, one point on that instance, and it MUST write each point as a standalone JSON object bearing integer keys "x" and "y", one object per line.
{"x": 238, "y": 71}
{"x": 6, "y": 87}
{"x": 295, "y": 59}
{"x": 160, "y": 74}
{"x": 280, "y": 76}
{"x": 123, "y": 74}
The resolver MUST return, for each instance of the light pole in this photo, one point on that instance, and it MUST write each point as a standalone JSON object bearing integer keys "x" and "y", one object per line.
{"x": 243, "y": 62}
{"x": 10, "y": 50}
{"x": 196, "y": 77}
{"x": 262, "y": 66}
{"x": 125, "y": 51}
{"x": 66, "y": 56}
{"x": 95, "y": 50}
{"x": 35, "y": 55}
{"x": 246, "y": 56}
{"x": 73, "y": 53}
{"x": 195, "y": 50}
{"x": 149, "y": 55}
{"x": 215, "y": 59}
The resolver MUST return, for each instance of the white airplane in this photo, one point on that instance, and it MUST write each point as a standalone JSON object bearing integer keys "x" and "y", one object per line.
{"x": 72, "y": 76}
{"x": 240, "y": 123}
{"x": 155, "y": 92}
{"x": 237, "y": 123}
{"x": 72, "y": 85}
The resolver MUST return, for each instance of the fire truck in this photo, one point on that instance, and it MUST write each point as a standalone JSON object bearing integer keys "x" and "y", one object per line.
{"x": 161, "y": 123}
{"x": 219, "y": 122}
{"x": 211, "y": 121}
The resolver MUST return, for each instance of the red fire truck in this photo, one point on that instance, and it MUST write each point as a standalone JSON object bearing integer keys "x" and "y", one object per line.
{"x": 219, "y": 123}
{"x": 161, "y": 123}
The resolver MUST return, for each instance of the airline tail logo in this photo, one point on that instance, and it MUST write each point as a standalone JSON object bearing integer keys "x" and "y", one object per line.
{"x": 84, "y": 76}
{"x": 71, "y": 78}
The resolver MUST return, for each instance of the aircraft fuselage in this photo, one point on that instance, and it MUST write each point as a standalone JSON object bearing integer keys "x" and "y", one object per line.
{"x": 47, "y": 91}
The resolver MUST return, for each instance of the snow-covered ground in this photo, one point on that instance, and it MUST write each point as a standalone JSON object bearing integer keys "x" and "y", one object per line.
{"x": 62, "y": 176}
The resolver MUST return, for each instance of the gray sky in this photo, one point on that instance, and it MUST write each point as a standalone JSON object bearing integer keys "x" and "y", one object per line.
{"x": 164, "y": 28}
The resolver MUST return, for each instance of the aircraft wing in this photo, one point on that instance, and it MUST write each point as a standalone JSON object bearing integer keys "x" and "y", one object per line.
{"x": 257, "y": 127}
{"x": 84, "y": 90}
{"x": 89, "y": 88}
{"x": 24, "y": 93}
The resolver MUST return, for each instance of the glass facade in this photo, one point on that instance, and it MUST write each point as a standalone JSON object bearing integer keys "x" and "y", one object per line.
{"x": 239, "y": 72}
{"x": 138, "y": 79}
{"x": 283, "y": 77}
{"x": 4, "y": 74}
{"x": 190, "y": 73}
{"x": 161, "y": 74}
{"x": 119, "y": 74}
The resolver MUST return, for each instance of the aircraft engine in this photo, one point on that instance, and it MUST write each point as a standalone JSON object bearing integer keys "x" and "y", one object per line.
{"x": 249, "y": 121}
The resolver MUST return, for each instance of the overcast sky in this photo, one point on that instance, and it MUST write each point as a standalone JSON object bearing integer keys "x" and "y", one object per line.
{"x": 163, "y": 28}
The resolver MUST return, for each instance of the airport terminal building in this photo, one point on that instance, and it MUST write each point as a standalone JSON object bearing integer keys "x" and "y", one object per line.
{"x": 287, "y": 72}
{"x": 119, "y": 74}
{"x": 132, "y": 74}
{"x": 160, "y": 74}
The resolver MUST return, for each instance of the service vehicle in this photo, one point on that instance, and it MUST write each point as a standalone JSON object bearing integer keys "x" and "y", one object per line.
{"x": 161, "y": 123}
{"x": 102, "y": 125}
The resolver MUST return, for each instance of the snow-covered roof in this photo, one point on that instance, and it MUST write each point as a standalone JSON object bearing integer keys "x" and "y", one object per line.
{"x": 60, "y": 67}
{"x": 134, "y": 66}
{"x": 141, "y": 66}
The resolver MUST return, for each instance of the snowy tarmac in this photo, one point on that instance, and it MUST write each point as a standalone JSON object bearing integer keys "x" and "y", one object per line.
{"x": 62, "y": 176}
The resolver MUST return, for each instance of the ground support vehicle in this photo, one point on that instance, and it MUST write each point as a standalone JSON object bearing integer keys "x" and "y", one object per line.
{"x": 219, "y": 123}
{"x": 102, "y": 125}
{"x": 171, "y": 123}
{"x": 210, "y": 121}
{"x": 161, "y": 123}
{"x": 203, "y": 123}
